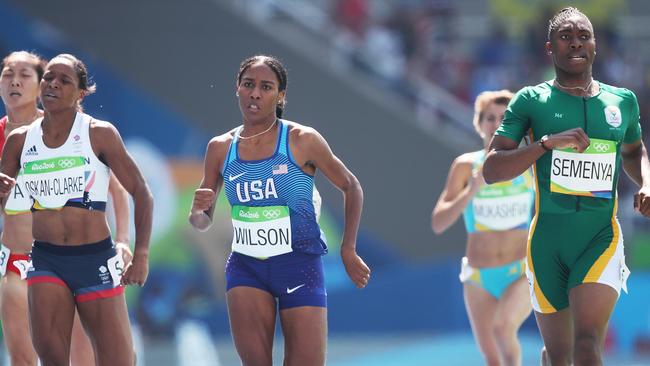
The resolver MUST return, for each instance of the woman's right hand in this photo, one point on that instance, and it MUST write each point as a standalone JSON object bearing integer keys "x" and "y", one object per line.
{"x": 575, "y": 139}
{"x": 6, "y": 184}
{"x": 476, "y": 181}
{"x": 203, "y": 199}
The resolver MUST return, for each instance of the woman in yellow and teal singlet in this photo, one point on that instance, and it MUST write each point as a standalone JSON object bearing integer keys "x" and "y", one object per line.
{"x": 496, "y": 217}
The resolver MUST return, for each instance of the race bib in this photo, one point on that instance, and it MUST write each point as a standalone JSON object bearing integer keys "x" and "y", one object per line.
{"x": 590, "y": 173}
{"x": 18, "y": 200}
{"x": 4, "y": 259}
{"x": 23, "y": 267}
{"x": 502, "y": 206}
{"x": 261, "y": 232}
{"x": 52, "y": 182}
{"x": 115, "y": 266}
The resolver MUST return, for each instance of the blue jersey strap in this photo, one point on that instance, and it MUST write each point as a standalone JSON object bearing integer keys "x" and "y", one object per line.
{"x": 232, "y": 150}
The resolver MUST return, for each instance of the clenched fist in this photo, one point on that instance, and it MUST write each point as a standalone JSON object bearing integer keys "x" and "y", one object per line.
{"x": 6, "y": 184}
{"x": 203, "y": 199}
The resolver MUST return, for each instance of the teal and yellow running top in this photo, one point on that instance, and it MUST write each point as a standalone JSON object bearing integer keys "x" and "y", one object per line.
{"x": 500, "y": 206}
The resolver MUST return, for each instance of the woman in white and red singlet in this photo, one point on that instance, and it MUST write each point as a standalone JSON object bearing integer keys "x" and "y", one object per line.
{"x": 20, "y": 75}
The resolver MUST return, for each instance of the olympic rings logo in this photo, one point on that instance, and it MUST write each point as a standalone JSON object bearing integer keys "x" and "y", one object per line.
{"x": 66, "y": 163}
{"x": 271, "y": 214}
{"x": 601, "y": 147}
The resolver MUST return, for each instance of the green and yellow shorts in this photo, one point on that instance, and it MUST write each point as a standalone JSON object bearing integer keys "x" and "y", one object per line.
{"x": 566, "y": 250}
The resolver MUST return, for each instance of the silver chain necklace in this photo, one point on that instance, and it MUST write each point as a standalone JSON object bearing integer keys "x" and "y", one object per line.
{"x": 584, "y": 89}
{"x": 257, "y": 134}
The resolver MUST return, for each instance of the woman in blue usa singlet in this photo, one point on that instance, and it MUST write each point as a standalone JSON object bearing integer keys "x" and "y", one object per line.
{"x": 266, "y": 167}
{"x": 497, "y": 219}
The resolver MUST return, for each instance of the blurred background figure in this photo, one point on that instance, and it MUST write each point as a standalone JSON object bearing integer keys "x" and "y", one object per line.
{"x": 396, "y": 123}
{"x": 497, "y": 218}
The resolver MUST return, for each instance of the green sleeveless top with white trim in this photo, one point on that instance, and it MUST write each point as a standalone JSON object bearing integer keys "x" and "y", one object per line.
{"x": 567, "y": 181}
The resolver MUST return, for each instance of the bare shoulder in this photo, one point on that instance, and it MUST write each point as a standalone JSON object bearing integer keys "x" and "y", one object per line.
{"x": 461, "y": 169}
{"x": 14, "y": 144}
{"x": 465, "y": 159}
{"x": 301, "y": 134}
{"x": 463, "y": 164}
{"x": 98, "y": 123}
{"x": 102, "y": 129}
{"x": 221, "y": 143}
{"x": 17, "y": 136}
{"x": 19, "y": 131}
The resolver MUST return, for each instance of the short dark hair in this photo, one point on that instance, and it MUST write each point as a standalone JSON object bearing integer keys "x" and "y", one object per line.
{"x": 562, "y": 16}
{"x": 278, "y": 69}
{"x": 85, "y": 82}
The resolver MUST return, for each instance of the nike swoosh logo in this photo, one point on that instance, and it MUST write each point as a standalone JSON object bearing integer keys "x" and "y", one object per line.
{"x": 233, "y": 177}
{"x": 290, "y": 290}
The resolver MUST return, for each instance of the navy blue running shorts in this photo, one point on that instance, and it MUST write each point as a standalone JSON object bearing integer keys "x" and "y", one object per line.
{"x": 295, "y": 279}
{"x": 90, "y": 271}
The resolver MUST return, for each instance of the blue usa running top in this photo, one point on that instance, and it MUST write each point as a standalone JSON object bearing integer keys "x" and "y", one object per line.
{"x": 271, "y": 199}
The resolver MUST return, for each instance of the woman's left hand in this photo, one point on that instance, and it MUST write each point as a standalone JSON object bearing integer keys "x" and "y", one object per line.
{"x": 137, "y": 272}
{"x": 642, "y": 201}
{"x": 357, "y": 269}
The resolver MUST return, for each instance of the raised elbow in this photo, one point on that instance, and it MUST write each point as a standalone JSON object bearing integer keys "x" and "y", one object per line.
{"x": 352, "y": 187}
{"x": 145, "y": 197}
{"x": 437, "y": 229}
{"x": 489, "y": 178}
{"x": 143, "y": 202}
{"x": 490, "y": 175}
{"x": 437, "y": 226}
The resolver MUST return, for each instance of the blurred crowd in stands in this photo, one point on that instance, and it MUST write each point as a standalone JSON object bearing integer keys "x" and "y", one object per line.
{"x": 399, "y": 40}
{"x": 500, "y": 45}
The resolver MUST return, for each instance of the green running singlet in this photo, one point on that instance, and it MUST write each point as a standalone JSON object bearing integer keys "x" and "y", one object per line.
{"x": 575, "y": 237}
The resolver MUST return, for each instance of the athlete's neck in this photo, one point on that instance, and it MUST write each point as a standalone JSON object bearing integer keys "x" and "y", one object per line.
{"x": 22, "y": 116}
{"x": 258, "y": 128}
{"x": 576, "y": 84}
{"x": 58, "y": 123}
